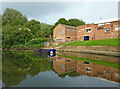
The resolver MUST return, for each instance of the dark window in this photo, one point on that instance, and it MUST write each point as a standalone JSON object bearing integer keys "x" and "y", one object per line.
{"x": 88, "y": 30}
{"x": 99, "y": 28}
{"x": 86, "y": 62}
{"x": 86, "y": 38}
{"x": 68, "y": 37}
{"x": 68, "y": 60}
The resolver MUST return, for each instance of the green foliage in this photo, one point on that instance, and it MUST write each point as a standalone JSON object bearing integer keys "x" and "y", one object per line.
{"x": 33, "y": 25}
{"x": 70, "y": 74}
{"x": 46, "y": 30}
{"x": 72, "y": 22}
{"x": 60, "y": 44}
{"x": 13, "y": 17}
{"x": 60, "y": 21}
{"x": 103, "y": 42}
{"x": 15, "y": 35}
{"x": 75, "y": 22}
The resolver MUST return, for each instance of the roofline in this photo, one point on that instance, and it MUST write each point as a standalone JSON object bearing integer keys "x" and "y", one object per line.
{"x": 75, "y": 28}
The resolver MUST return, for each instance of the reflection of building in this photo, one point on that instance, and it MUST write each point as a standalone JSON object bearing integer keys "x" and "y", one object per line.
{"x": 63, "y": 65}
{"x": 96, "y": 70}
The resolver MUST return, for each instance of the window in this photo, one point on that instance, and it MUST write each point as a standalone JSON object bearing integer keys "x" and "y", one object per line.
{"x": 86, "y": 62}
{"x": 68, "y": 60}
{"x": 63, "y": 31}
{"x": 106, "y": 72}
{"x": 117, "y": 28}
{"x": 88, "y": 69}
{"x": 107, "y": 29}
{"x": 58, "y": 39}
{"x": 88, "y": 30}
{"x": 99, "y": 28}
{"x": 68, "y": 37}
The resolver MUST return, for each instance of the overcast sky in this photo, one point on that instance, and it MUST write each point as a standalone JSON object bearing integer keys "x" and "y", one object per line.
{"x": 50, "y": 12}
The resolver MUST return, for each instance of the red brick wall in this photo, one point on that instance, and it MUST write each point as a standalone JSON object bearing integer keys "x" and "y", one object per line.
{"x": 58, "y": 33}
{"x": 98, "y": 34}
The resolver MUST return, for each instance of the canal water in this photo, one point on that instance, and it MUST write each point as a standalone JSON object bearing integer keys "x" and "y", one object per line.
{"x": 34, "y": 69}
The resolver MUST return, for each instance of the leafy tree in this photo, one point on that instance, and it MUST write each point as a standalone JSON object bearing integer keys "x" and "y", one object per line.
{"x": 13, "y": 17}
{"x": 71, "y": 22}
{"x": 60, "y": 21}
{"x": 33, "y": 25}
{"x": 40, "y": 34}
{"x": 46, "y": 29}
{"x": 75, "y": 22}
{"x": 15, "y": 35}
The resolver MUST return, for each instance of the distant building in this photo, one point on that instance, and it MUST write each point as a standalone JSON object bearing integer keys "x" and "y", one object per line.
{"x": 64, "y": 33}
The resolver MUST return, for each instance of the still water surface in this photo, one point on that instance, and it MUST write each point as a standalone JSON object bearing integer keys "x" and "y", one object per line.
{"x": 32, "y": 69}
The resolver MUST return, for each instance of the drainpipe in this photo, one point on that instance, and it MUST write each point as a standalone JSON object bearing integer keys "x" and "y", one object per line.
{"x": 77, "y": 33}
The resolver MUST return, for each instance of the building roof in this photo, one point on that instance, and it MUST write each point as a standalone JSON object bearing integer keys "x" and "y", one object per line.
{"x": 108, "y": 20}
{"x": 69, "y": 27}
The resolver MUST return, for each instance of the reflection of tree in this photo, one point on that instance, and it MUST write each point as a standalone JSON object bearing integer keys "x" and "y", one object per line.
{"x": 16, "y": 66}
{"x": 70, "y": 74}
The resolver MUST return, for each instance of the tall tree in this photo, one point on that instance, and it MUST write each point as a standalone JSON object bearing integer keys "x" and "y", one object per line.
{"x": 72, "y": 22}
{"x": 75, "y": 22}
{"x": 13, "y": 17}
{"x": 33, "y": 25}
{"x": 60, "y": 21}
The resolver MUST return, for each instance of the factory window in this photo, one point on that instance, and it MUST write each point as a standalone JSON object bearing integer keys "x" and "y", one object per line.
{"x": 107, "y": 29}
{"x": 68, "y": 37}
{"x": 63, "y": 31}
{"x": 88, "y": 30}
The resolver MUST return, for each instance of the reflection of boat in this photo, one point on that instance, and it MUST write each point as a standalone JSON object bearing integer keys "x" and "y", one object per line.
{"x": 41, "y": 50}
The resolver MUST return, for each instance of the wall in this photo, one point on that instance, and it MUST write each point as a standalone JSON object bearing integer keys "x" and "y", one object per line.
{"x": 58, "y": 33}
{"x": 96, "y": 34}
{"x": 72, "y": 34}
{"x": 101, "y": 34}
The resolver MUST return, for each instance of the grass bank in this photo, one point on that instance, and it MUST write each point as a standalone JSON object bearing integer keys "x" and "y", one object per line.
{"x": 103, "y": 42}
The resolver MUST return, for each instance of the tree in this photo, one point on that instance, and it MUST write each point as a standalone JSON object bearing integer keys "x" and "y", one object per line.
{"x": 13, "y": 17}
{"x": 75, "y": 22}
{"x": 60, "y": 21}
{"x": 46, "y": 29}
{"x": 33, "y": 25}
{"x": 71, "y": 22}
{"x": 15, "y": 35}
{"x": 40, "y": 34}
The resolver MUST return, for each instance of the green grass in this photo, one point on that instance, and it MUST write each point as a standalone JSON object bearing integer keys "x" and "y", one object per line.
{"x": 61, "y": 44}
{"x": 110, "y": 64}
{"x": 103, "y": 42}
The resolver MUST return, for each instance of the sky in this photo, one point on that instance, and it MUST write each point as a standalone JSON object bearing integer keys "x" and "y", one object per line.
{"x": 50, "y": 12}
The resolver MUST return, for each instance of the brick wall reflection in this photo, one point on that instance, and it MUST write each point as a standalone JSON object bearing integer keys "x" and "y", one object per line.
{"x": 64, "y": 65}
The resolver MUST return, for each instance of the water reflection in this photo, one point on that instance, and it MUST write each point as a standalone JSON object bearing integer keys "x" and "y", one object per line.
{"x": 64, "y": 65}
{"x": 17, "y": 66}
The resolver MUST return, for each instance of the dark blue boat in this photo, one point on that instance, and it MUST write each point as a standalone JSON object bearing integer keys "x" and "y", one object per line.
{"x": 51, "y": 51}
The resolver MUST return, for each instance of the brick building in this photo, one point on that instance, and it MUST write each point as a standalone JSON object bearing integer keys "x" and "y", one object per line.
{"x": 104, "y": 29}
{"x": 64, "y": 33}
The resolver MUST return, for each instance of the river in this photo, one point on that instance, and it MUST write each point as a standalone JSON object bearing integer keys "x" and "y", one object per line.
{"x": 68, "y": 69}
